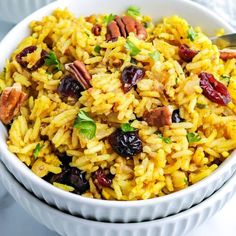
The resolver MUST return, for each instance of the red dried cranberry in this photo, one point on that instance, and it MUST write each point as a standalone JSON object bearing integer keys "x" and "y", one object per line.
{"x": 126, "y": 144}
{"x": 27, "y": 51}
{"x": 96, "y": 30}
{"x": 103, "y": 179}
{"x": 187, "y": 54}
{"x": 131, "y": 76}
{"x": 176, "y": 117}
{"x": 69, "y": 87}
{"x": 213, "y": 89}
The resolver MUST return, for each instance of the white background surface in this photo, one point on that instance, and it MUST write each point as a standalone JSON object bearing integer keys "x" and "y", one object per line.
{"x": 15, "y": 222}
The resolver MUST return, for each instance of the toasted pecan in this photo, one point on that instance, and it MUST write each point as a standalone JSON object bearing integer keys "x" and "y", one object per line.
{"x": 122, "y": 26}
{"x": 227, "y": 54}
{"x": 158, "y": 117}
{"x": 11, "y": 100}
{"x": 78, "y": 69}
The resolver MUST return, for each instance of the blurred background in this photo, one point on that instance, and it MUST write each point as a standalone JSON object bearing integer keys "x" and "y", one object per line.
{"x": 12, "y": 11}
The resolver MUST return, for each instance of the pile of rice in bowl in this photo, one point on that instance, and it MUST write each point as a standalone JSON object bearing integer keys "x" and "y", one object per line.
{"x": 116, "y": 107}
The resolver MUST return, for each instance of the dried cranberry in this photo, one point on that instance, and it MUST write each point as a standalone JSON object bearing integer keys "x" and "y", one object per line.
{"x": 60, "y": 178}
{"x": 65, "y": 160}
{"x": 103, "y": 179}
{"x": 187, "y": 54}
{"x": 213, "y": 89}
{"x": 27, "y": 51}
{"x": 96, "y": 30}
{"x": 130, "y": 77}
{"x": 176, "y": 116}
{"x": 77, "y": 180}
{"x": 69, "y": 87}
{"x": 73, "y": 177}
{"x": 126, "y": 144}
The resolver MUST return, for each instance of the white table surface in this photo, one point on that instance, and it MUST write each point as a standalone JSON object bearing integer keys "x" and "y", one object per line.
{"x": 14, "y": 221}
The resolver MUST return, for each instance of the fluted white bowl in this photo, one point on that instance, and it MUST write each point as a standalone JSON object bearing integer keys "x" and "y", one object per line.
{"x": 66, "y": 224}
{"x": 14, "y": 11}
{"x": 116, "y": 211}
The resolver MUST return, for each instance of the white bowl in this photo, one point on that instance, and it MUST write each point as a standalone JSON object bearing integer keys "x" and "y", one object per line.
{"x": 14, "y": 11}
{"x": 66, "y": 224}
{"x": 116, "y": 211}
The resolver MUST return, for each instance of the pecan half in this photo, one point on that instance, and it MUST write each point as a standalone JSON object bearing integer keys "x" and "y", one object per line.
{"x": 78, "y": 69}
{"x": 25, "y": 52}
{"x": 227, "y": 54}
{"x": 96, "y": 30}
{"x": 122, "y": 26}
{"x": 10, "y": 102}
{"x": 158, "y": 117}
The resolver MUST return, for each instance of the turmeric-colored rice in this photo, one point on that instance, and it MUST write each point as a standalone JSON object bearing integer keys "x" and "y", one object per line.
{"x": 168, "y": 162}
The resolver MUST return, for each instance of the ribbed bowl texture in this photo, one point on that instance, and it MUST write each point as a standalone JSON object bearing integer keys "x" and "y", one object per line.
{"x": 68, "y": 225}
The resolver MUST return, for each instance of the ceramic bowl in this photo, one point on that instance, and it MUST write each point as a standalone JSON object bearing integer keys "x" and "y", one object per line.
{"x": 116, "y": 211}
{"x": 13, "y": 11}
{"x": 66, "y": 224}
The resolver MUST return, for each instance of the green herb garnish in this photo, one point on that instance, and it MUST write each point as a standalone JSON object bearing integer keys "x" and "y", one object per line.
{"x": 97, "y": 49}
{"x": 191, "y": 33}
{"x": 226, "y": 79}
{"x": 109, "y": 18}
{"x": 4, "y": 70}
{"x": 51, "y": 59}
{"x": 132, "y": 48}
{"x": 85, "y": 124}
{"x": 186, "y": 181}
{"x": 127, "y": 128}
{"x": 176, "y": 80}
{"x": 37, "y": 150}
{"x": 164, "y": 139}
{"x": 155, "y": 55}
{"x": 193, "y": 137}
{"x": 201, "y": 106}
{"x": 133, "y": 11}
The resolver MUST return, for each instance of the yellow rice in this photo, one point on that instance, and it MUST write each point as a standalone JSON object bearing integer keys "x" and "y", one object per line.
{"x": 162, "y": 168}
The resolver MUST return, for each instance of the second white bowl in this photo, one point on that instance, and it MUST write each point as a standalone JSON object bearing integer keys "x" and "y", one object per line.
{"x": 67, "y": 225}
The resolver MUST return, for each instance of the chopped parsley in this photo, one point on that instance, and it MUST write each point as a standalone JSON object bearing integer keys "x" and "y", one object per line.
{"x": 97, "y": 49}
{"x": 164, "y": 139}
{"x": 37, "y": 150}
{"x": 191, "y": 33}
{"x": 186, "y": 181}
{"x": 132, "y": 48}
{"x": 155, "y": 55}
{"x": 51, "y": 59}
{"x": 176, "y": 80}
{"x": 226, "y": 79}
{"x": 85, "y": 124}
{"x": 127, "y": 128}
{"x": 109, "y": 18}
{"x": 201, "y": 106}
{"x": 133, "y": 11}
{"x": 193, "y": 137}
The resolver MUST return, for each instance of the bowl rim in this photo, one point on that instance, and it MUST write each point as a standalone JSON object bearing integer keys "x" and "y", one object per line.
{"x": 14, "y": 161}
{"x": 227, "y": 187}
